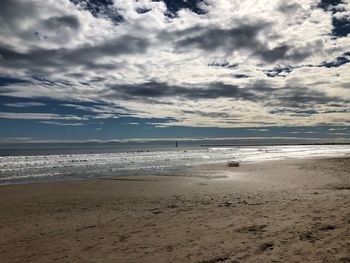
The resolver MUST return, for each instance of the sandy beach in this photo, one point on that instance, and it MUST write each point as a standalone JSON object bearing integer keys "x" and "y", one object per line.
{"x": 275, "y": 211}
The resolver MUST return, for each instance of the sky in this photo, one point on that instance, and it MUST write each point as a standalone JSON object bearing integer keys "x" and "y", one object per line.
{"x": 81, "y": 70}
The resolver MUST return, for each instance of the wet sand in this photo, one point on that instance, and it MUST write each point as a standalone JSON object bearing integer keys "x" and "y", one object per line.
{"x": 279, "y": 211}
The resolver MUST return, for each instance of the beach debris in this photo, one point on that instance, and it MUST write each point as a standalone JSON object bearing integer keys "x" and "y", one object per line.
{"x": 123, "y": 238}
{"x": 344, "y": 259}
{"x": 226, "y": 204}
{"x": 169, "y": 248}
{"x": 155, "y": 211}
{"x": 327, "y": 228}
{"x": 307, "y": 236}
{"x": 215, "y": 260}
{"x": 343, "y": 187}
{"x": 233, "y": 164}
{"x": 87, "y": 227}
{"x": 314, "y": 234}
{"x": 254, "y": 229}
{"x": 266, "y": 246}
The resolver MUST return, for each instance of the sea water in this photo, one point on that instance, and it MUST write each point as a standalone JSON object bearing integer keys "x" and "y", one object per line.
{"x": 38, "y": 167}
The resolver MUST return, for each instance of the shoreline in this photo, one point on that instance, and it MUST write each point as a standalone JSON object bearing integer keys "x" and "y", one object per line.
{"x": 277, "y": 144}
{"x": 181, "y": 171}
{"x": 295, "y": 210}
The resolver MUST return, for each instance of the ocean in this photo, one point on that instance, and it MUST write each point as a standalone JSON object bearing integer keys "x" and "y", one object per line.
{"x": 31, "y": 165}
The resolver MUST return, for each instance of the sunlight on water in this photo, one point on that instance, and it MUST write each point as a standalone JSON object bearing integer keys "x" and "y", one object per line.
{"x": 20, "y": 169}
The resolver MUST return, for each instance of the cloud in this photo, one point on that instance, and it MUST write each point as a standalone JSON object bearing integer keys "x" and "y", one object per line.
{"x": 57, "y": 22}
{"x": 301, "y": 97}
{"x": 46, "y": 60}
{"x": 284, "y": 71}
{"x": 339, "y": 61}
{"x": 259, "y": 130}
{"x": 100, "y": 9}
{"x": 25, "y": 104}
{"x": 223, "y": 140}
{"x": 131, "y": 123}
{"x": 261, "y": 91}
{"x": 63, "y": 123}
{"x": 289, "y": 7}
{"x": 195, "y": 6}
{"x": 211, "y": 114}
{"x": 240, "y": 76}
{"x": 279, "y": 71}
{"x": 242, "y": 36}
{"x": 10, "y": 9}
{"x": 340, "y": 18}
{"x": 37, "y": 116}
{"x": 196, "y": 63}
{"x": 223, "y": 65}
{"x": 302, "y": 112}
{"x": 156, "y": 89}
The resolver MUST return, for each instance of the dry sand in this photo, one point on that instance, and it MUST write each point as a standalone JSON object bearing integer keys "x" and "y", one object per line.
{"x": 281, "y": 211}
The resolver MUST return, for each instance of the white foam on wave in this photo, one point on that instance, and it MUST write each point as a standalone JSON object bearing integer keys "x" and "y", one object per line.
{"x": 17, "y": 168}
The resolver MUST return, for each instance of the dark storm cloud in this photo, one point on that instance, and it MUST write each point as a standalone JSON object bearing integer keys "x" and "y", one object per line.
{"x": 211, "y": 39}
{"x": 40, "y": 59}
{"x": 298, "y": 54}
{"x": 158, "y": 90}
{"x": 11, "y": 10}
{"x": 58, "y": 21}
{"x": 100, "y": 9}
{"x": 299, "y": 97}
{"x": 173, "y": 6}
{"x": 274, "y": 54}
{"x": 24, "y": 22}
{"x": 287, "y": 52}
{"x": 241, "y": 37}
{"x": 14, "y": 12}
{"x": 258, "y": 91}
